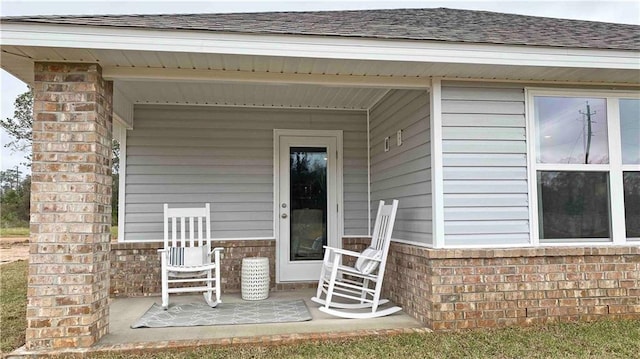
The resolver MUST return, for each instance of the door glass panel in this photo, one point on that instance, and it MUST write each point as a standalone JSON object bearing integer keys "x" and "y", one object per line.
{"x": 308, "y": 197}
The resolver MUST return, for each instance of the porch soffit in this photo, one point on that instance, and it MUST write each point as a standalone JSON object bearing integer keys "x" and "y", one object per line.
{"x": 249, "y": 95}
{"x": 533, "y": 64}
{"x": 192, "y": 66}
{"x": 147, "y": 77}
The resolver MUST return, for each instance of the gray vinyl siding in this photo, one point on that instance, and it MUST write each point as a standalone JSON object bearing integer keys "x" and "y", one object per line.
{"x": 186, "y": 156}
{"x": 484, "y": 165}
{"x": 403, "y": 173}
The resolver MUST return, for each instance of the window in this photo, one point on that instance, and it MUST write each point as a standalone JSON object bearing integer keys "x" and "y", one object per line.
{"x": 630, "y": 131}
{"x": 630, "y": 139}
{"x": 571, "y": 130}
{"x": 585, "y": 161}
{"x": 573, "y": 204}
{"x": 632, "y": 203}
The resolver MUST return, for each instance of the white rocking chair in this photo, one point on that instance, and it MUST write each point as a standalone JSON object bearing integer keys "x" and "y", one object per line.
{"x": 361, "y": 284}
{"x": 187, "y": 254}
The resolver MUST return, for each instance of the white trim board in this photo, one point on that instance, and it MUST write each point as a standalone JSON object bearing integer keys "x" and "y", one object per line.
{"x": 66, "y": 36}
{"x": 564, "y": 83}
{"x": 369, "y": 168}
{"x": 412, "y": 243}
{"x": 160, "y": 241}
{"x": 437, "y": 167}
{"x": 278, "y": 107}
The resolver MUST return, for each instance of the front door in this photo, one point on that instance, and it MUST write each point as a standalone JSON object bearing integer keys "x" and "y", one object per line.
{"x": 307, "y": 205}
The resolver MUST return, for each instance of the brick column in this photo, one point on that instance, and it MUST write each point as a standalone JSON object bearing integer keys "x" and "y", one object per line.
{"x": 70, "y": 207}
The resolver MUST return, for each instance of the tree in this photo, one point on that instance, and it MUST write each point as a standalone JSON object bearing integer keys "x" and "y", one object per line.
{"x": 9, "y": 179}
{"x": 16, "y": 191}
{"x": 20, "y": 126}
{"x": 15, "y": 199}
{"x": 115, "y": 181}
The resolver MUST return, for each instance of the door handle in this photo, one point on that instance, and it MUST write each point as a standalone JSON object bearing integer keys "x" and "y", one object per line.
{"x": 284, "y": 215}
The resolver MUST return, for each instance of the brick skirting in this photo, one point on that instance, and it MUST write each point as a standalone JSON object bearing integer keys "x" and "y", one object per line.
{"x": 449, "y": 289}
{"x": 135, "y": 267}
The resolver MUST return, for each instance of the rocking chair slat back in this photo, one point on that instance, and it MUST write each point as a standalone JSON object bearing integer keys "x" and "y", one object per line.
{"x": 382, "y": 235}
{"x": 383, "y": 226}
{"x": 189, "y": 227}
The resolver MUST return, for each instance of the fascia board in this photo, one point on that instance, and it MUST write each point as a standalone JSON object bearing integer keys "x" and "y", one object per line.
{"x": 109, "y": 38}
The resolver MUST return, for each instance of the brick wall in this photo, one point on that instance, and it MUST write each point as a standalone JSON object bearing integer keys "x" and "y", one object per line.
{"x": 135, "y": 267}
{"x": 356, "y": 245}
{"x": 469, "y": 288}
{"x": 449, "y": 289}
{"x": 68, "y": 287}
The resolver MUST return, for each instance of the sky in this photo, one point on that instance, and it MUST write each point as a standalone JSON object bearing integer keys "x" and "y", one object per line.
{"x": 625, "y": 11}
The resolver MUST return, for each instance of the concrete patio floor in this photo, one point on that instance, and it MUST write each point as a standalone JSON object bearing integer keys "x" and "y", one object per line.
{"x": 124, "y": 312}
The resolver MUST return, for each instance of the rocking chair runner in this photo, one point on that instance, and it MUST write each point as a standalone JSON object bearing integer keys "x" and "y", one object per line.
{"x": 187, "y": 254}
{"x": 361, "y": 283}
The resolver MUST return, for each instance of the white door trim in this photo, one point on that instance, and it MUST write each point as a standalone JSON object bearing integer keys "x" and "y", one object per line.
{"x": 277, "y": 133}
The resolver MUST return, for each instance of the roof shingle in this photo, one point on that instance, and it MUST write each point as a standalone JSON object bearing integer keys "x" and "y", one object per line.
{"x": 438, "y": 24}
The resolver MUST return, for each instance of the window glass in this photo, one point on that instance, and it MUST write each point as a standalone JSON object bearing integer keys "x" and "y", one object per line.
{"x": 630, "y": 130}
{"x": 571, "y": 130}
{"x": 632, "y": 203}
{"x": 308, "y": 196}
{"x": 573, "y": 205}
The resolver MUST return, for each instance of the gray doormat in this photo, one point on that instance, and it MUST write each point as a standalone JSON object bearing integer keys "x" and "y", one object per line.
{"x": 194, "y": 314}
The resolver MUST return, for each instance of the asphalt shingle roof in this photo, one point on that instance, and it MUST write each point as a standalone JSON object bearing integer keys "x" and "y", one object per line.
{"x": 438, "y": 24}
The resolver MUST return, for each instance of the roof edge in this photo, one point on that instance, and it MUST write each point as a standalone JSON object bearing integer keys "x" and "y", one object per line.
{"x": 253, "y": 13}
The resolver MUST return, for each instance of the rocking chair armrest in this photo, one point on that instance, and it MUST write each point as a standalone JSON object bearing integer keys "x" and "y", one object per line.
{"x": 217, "y": 249}
{"x": 163, "y": 253}
{"x": 350, "y": 253}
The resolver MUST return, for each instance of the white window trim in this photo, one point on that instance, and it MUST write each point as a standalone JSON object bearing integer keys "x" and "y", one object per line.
{"x": 615, "y": 167}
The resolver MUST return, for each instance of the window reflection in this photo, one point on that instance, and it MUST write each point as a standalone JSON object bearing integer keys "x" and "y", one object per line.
{"x": 573, "y": 205}
{"x": 630, "y": 130}
{"x": 632, "y": 203}
{"x": 571, "y": 130}
{"x": 308, "y": 202}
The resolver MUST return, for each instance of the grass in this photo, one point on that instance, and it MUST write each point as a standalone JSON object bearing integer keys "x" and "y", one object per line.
{"x": 13, "y": 305}
{"x": 14, "y": 232}
{"x": 114, "y": 232}
{"x": 601, "y": 339}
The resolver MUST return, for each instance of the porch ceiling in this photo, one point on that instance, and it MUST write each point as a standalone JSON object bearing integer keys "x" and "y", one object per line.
{"x": 251, "y": 95}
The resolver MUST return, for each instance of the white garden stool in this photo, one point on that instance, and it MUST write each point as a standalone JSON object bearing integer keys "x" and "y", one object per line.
{"x": 255, "y": 278}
